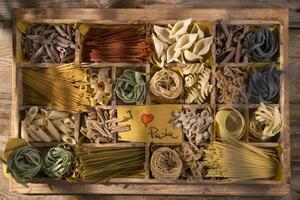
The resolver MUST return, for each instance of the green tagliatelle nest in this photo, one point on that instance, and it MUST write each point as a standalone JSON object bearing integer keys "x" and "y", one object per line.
{"x": 24, "y": 163}
{"x": 57, "y": 162}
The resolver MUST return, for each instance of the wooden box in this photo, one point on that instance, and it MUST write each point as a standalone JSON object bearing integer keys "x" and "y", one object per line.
{"x": 148, "y": 185}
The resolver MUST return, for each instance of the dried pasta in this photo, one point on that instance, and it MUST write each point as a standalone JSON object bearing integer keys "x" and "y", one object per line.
{"x": 101, "y": 126}
{"x": 230, "y": 123}
{"x": 231, "y": 85}
{"x": 197, "y": 86}
{"x": 165, "y": 164}
{"x": 44, "y": 129}
{"x": 179, "y": 43}
{"x": 266, "y": 122}
{"x": 166, "y": 83}
{"x": 236, "y": 161}
{"x": 197, "y": 125}
{"x": 24, "y": 163}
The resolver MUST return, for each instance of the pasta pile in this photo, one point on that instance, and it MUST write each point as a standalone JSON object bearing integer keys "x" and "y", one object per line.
{"x": 165, "y": 164}
{"x": 192, "y": 159}
{"x": 197, "y": 87}
{"x": 131, "y": 87}
{"x": 183, "y": 42}
{"x": 230, "y": 43}
{"x": 197, "y": 125}
{"x": 166, "y": 83}
{"x": 101, "y": 126}
{"x": 266, "y": 122}
{"x": 231, "y": 85}
{"x": 56, "y": 87}
{"x": 57, "y": 161}
{"x": 48, "y": 126}
{"x": 95, "y": 164}
{"x": 120, "y": 44}
{"x": 50, "y": 43}
{"x": 236, "y": 161}
{"x": 262, "y": 44}
{"x": 230, "y": 123}
{"x": 24, "y": 163}
{"x": 264, "y": 84}
{"x": 97, "y": 87}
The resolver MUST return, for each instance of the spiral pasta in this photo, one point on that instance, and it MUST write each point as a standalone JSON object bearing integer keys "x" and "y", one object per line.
{"x": 197, "y": 86}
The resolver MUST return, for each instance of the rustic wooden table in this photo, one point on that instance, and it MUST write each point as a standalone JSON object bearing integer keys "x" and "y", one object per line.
{"x": 6, "y": 7}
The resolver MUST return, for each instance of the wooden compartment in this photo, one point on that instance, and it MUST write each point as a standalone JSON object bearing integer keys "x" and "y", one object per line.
{"x": 147, "y": 185}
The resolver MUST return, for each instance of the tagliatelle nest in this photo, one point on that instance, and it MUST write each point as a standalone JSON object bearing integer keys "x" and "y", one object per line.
{"x": 165, "y": 164}
{"x": 266, "y": 122}
{"x": 231, "y": 87}
{"x": 166, "y": 83}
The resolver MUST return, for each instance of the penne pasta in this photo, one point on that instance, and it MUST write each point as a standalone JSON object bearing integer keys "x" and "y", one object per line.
{"x": 40, "y": 133}
{"x": 39, "y": 122}
{"x": 68, "y": 122}
{"x": 30, "y": 115}
{"x": 59, "y": 123}
{"x": 32, "y": 134}
{"x": 57, "y": 114}
{"x": 52, "y": 130}
{"x": 24, "y": 133}
{"x": 69, "y": 140}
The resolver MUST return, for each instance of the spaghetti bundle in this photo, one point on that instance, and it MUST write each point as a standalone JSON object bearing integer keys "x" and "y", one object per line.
{"x": 55, "y": 87}
{"x": 66, "y": 87}
{"x": 237, "y": 161}
{"x": 94, "y": 164}
{"x": 125, "y": 43}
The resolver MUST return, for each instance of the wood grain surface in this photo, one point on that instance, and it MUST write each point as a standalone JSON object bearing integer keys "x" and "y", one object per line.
{"x": 6, "y": 6}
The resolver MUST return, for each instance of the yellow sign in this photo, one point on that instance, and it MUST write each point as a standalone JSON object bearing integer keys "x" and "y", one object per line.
{"x": 150, "y": 123}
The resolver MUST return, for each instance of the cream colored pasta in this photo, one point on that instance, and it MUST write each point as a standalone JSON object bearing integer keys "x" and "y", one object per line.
{"x": 31, "y": 114}
{"x": 52, "y": 130}
{"x": 59, "y": 123}
{"x": 40, "y": 133}
{"x": 68, "y": 122}
{"x": 57, "y": 114}
{"x": 69, "y": 140}
{"x": 24, "y": 133}
{"x": 39, "y": 121}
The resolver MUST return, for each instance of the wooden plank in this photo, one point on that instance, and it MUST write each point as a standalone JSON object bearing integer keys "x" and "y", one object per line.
{"x": 7, "y": 6}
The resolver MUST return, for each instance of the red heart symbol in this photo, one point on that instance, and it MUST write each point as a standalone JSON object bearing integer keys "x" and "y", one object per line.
{"x": 146, "y": 119}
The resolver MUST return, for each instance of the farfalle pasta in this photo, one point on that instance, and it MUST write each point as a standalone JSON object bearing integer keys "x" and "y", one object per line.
{"x": 231, "y": 85}
{"x": 197, "y": 83}
{"x": 183, "y": 42}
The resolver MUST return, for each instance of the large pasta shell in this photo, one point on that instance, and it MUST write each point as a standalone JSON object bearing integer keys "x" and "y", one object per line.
{"x": 197, "y": 29}
{"x": 172, "y": 54}
{"x": 158, "y": 45}
{"x": 190, "y": 56}
{"x": 186, "y": 41}
{"x": 180, "y": 28}
{"x": 163, "y": 34}
{"x": 180, "y": 58}
{"x": 202, "y": 46}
